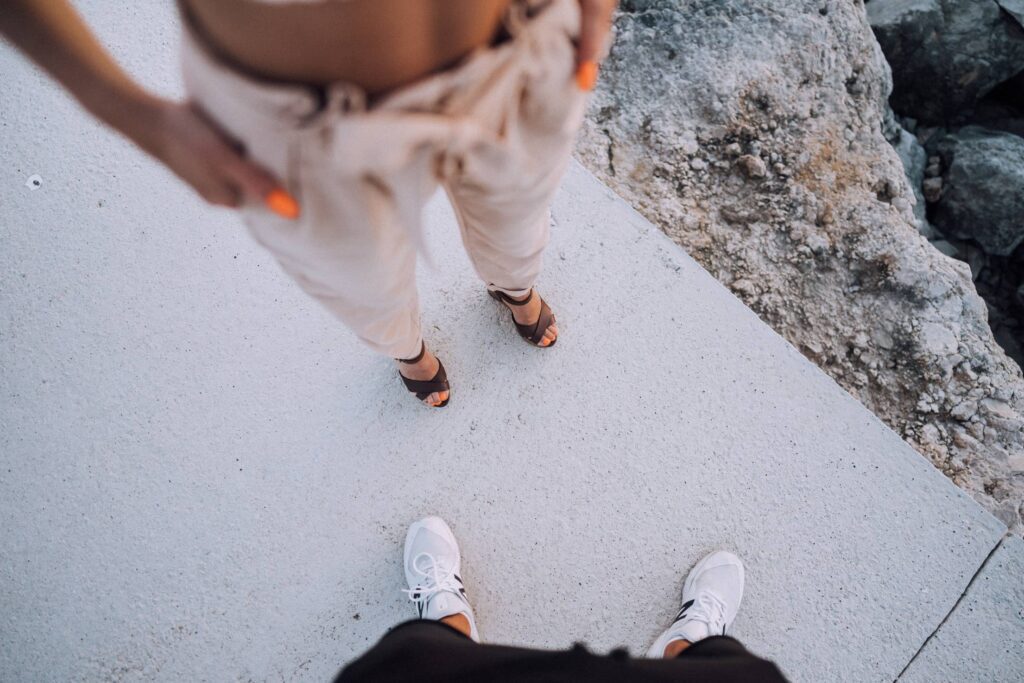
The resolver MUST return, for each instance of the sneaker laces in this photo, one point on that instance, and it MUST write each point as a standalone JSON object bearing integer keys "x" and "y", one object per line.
{"x": 709, "y": 609}
{"x": 435, "y": 578}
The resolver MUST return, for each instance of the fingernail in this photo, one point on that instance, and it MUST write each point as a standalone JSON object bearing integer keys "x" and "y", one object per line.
{"x": 282, "y": 203}
{"x": 586, "y": 75}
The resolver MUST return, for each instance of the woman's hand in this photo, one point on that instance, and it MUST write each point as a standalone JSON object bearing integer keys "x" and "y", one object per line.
{"x": 181, "y": 136}
{"x": 595, "y": 23}
{"x": 54, "y": 36}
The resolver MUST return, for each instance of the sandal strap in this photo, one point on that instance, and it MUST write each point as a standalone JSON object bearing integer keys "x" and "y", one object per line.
{"x": 419, "y": 356}
{"x": 509, "y": 300}
{"x": 423, "y": 388}
{"x": 535, "y": 332}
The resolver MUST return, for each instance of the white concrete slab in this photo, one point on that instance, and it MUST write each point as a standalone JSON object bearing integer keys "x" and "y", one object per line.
{"x": 983, "y": 638}
{"x": 204, "y": 477}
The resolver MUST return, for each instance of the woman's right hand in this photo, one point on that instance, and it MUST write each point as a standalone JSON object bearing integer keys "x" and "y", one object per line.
{"x": 189, "y": 143}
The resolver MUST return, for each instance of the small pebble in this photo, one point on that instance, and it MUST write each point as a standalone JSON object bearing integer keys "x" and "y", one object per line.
{"x": 753, "y": 166}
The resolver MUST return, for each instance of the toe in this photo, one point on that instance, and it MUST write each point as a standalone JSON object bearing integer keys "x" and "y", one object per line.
{"x": 436, "y": 398}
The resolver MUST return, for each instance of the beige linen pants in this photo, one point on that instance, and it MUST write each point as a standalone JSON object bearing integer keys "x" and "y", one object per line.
{"x": 495, "y": 130}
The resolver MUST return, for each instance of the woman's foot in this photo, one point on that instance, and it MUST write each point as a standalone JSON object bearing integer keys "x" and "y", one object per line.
{"x": 424, "y": 370}
{"x": 529, "y": 312}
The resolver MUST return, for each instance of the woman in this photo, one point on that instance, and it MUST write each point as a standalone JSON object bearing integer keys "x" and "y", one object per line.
{"x": 329, "y": 123}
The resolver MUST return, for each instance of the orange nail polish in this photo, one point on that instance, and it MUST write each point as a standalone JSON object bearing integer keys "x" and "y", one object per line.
{"x": 586, "y": 75}
{"x": 282, "y": 203}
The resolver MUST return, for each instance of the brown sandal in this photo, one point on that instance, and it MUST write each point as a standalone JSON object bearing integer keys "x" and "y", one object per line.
{"x": 532, "y": 333}
{"x": 424, "y": 388}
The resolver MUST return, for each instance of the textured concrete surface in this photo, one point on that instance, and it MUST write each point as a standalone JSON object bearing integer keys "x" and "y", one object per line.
{"x": 983, "y": 639}
{"x": 204, "y": 477}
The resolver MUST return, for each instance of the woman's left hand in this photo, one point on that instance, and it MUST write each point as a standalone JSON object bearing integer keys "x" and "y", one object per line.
{"x": 595, "y": 23}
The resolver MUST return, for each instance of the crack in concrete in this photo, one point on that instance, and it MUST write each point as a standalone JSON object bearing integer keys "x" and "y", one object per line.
{"x": 954, "y": 608}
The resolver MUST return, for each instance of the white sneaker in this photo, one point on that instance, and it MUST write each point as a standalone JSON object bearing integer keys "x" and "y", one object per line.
{"x": 432, "y": 568}
{"x": 711, "y": 597}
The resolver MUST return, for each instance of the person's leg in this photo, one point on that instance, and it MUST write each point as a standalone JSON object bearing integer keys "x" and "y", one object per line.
{"x": 433, "y": 568}
{"x": 712, "y": 593}
{"x": 349, "y": 248}
{"x": 505, "y": 186}
{"x": 444, "y": 637}
{"x": 414, "y": 651}
{"x": 442, "y": 645}
{"x": 424, "y": 651}
{"x": 712, "y": 647}
{"x": 697, "y": 640}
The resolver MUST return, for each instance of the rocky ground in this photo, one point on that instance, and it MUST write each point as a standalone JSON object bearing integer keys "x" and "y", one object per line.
{"x": 958, "y": 72}
{"x": 754, "y": 134}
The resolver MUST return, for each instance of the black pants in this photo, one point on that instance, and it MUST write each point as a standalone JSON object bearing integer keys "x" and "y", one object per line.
{"x": 426, "y": 651}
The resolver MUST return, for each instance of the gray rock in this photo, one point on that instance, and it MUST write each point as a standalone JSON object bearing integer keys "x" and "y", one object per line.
{"x": 831, "y": 245}
{"x": 983, "y": 188}
{"x": 914, "y": 159}
{"x": 947, "y": 54}
{"x": 976, "y": 260}
{"x": 946, "y": 247}
{"x": 1014, "y": 8}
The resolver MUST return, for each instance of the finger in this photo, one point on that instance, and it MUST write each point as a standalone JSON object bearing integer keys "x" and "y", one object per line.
{"x": 595, "y": 23}
{"x": 255, "y": 181}
{"x": 251, "y": 178}
{"x": 246, "y": 177}
{"x": 221, "y": 194}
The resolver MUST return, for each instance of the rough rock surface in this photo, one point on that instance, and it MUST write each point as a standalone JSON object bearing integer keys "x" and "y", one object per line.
{"x": 1014, "y": 8}
{"x": 983, "y": 188}
{"x": 947, "y": 54}
{"x": 915, "y": 161}
{"x": 751, "y": 133}
{"x": 972, "y": 208}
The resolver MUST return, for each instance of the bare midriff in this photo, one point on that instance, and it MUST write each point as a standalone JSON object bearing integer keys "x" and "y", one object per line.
{"x": 376, "y": 44}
